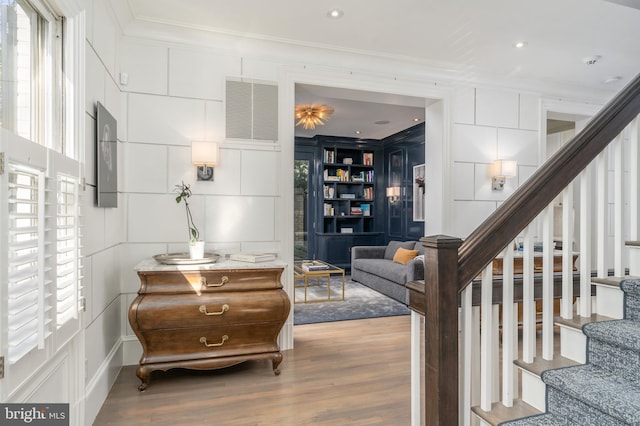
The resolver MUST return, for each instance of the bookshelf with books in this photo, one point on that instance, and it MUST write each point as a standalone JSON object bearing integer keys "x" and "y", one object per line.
{"x": 348, "y": 184}
{"x": 348, "y": 201}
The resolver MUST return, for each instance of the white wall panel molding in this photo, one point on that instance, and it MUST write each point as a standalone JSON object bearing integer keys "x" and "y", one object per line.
{"x": 196, "y": 73}
{"x": 464, "y": 105}
{"x": 499, "y": 108}
{"x": 529, "y": 113}
{"x": 144, "y": 67}
{"x": 474, "y": 144}
{"x": 519, "y": 145}
{"x": 165, "y": 120}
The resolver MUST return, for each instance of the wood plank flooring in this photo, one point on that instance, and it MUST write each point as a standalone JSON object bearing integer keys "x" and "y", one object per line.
{"x": 340, "y": 373}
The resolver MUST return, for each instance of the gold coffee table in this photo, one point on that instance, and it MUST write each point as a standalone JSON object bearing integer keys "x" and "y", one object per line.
{"x": 316, "y": 271}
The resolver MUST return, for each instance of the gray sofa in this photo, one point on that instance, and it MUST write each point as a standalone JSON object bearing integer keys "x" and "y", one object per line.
{"x": 373, "y": 266}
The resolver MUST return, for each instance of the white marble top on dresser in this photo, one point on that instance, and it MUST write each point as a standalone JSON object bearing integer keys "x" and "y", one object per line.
{"x": 151, "y": 264}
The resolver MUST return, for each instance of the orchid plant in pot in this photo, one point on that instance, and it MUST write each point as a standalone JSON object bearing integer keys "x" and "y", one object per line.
{"x": 196, "y": 247}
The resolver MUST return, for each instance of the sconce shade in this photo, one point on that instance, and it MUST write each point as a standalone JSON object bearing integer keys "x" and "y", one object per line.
{"x": 393, "y": 192}
{"x": 204, "y": 153}
{"x": 505, "y": 168}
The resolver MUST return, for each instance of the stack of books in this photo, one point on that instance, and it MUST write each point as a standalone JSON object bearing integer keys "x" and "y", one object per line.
{"x": 253, "y": 257}
{"x": 314, "y": 266}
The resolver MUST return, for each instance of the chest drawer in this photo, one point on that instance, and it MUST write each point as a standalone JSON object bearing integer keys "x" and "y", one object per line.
{"x": 214, "y": 281}
{"x": 156, "y": 312}
{"x": 207, "y": 342}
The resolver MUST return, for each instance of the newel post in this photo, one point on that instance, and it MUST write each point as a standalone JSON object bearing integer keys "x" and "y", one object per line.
{"x": 441, "y": 329}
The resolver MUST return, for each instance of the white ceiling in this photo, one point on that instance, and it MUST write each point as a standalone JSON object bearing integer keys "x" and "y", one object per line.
{"x": 464, "y": 39}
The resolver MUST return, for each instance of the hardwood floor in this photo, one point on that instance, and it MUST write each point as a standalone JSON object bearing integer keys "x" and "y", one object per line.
{"x": 340, "y": 373}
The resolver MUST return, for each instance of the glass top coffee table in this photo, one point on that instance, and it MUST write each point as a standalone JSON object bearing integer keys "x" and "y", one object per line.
{"x": 312, "y": 273}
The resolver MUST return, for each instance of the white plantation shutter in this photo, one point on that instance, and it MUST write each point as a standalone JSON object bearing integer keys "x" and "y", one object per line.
{"x": 28, "y": 303}
{"x": 67, "y": 250}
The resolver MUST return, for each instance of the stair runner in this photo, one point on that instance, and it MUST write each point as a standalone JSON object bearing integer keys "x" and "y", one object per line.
{"x": 605, "y": 390}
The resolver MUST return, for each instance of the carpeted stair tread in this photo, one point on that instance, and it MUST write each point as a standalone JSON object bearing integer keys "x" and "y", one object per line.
{"x": 631, "y": 286}
{"x": 611, "y": 395}
{"x": 622, "y": 333}
{"x": 540, "y": 419}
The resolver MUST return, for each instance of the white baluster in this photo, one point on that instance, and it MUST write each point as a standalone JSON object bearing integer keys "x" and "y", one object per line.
{"x": 416, "y": 339}
{"x": 634, "y": 194}
{"x": 602, "y": 206}
{"x": 509, "y": 323}
{"x": 486, "y": 340}
{"x": 466, "y": 322}
{"x": 547, "y": 282}
{"x": 566, "y": 306}
{"x": 618, "y": 212}
{"x": 528, "y": 302}
{"x": 585, "y": 242}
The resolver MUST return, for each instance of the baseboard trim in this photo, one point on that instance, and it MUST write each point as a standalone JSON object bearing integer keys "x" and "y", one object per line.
{"x": 98, "y": 388}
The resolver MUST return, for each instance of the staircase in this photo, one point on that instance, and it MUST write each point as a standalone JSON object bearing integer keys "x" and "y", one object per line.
{"x": 482, "y": 363}
{"x": 606, "y": 389}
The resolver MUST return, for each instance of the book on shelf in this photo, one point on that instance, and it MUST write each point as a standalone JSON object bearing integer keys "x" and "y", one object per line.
{"x": 314, "y": 266}
{"x": 348, "y": 195}
{"x": 329, "y": 191}
{"x": 368, "y": 194}
{"x": 356, "y": 211}
{"x": 367, "y": 158}
{"x": 253, "y": 257}
{"x": 328, "y": 209}
{"x": 329, "y": 156}
{"x": 346, "y": 230}
{"x": 366, "y": 209}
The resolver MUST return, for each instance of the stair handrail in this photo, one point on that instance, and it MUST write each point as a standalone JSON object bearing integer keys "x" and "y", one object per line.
{"x": 505, "y": 223}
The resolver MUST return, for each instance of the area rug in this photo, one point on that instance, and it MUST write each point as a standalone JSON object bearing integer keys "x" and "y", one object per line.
{"x": 360, "y": 302}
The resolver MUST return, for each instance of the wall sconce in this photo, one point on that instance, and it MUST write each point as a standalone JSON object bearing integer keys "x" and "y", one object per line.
{"x": 393, "y": 193}
{"x": 503, "y": 169}
{"x": 205, "y": 156}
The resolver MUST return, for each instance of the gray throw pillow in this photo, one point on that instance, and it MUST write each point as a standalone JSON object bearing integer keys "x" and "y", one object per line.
{"x": 393, "y": 246}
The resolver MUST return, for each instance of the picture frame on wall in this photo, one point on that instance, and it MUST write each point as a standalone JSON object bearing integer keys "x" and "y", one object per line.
{"x": 418, "y": 192}
{"x": 106, "y": 158}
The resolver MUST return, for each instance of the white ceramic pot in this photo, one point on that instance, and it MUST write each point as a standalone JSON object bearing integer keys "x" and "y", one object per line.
{"x": 196, "y": 250}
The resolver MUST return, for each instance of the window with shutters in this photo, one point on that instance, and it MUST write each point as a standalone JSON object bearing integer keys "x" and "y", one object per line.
{"x": 40, "y": 189}
{"x": 67, "y": 250}
{"x": 28, "y": 304}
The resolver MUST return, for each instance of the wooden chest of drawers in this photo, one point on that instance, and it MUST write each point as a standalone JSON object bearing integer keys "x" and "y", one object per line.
{"x": 206, "y": 319}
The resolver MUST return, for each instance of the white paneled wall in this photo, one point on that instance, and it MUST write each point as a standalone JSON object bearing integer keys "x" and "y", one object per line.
{"x": 489, "y": 124}
{"x": 104, "y": 229}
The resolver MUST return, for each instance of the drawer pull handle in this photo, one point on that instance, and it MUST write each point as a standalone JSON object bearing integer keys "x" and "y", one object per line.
{"x": 203, "y": 309}
{"x": 203, "y": 340}
{"x": 223, "y": 281}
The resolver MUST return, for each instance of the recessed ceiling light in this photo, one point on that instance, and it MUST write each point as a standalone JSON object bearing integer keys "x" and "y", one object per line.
{"x": 357, "y": 132}
{"x": 335, "y": 14}
{"x": 612, "y": 79}
{"x": 416, "y": 119}
{"x": 520, "y": 44}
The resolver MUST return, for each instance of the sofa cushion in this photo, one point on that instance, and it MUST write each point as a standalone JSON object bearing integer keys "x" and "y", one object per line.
{"x": 386, "y": 269}
{"x": 390, "y": 251}
{"x": 419, "y": 247}
{"x": 403, "y": 255}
